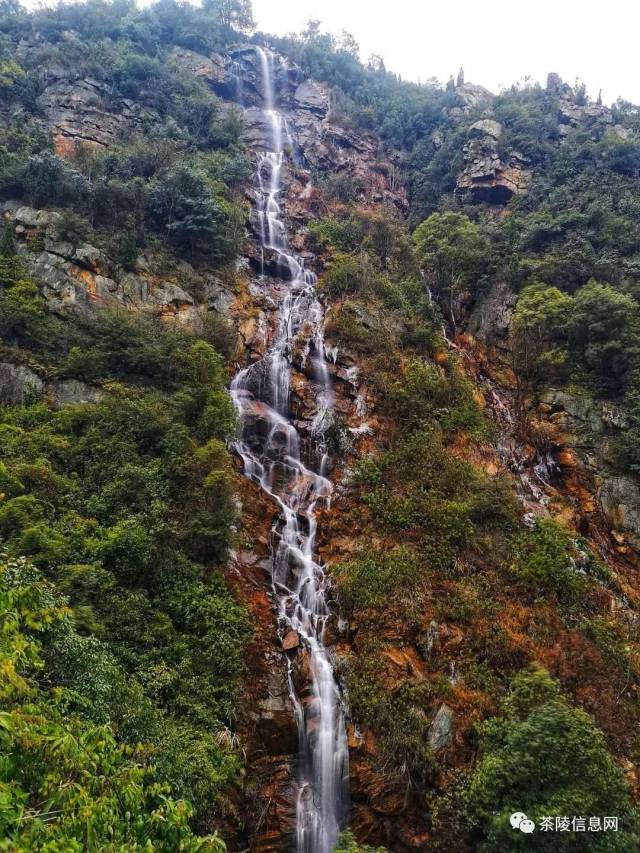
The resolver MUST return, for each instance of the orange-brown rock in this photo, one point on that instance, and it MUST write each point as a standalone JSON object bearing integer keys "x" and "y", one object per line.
{"x": 290, "y": 641}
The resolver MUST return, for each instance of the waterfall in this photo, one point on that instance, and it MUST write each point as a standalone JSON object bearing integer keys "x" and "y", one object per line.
{"x": 271, "y": 450}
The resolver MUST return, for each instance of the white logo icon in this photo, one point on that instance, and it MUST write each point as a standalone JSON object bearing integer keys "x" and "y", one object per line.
{"x": 520, "y": 821}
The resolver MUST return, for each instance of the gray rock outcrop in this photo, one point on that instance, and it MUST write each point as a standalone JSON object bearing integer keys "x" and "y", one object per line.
{"x": 86, "y": 112}
{"x": 470, "y": 96}
{"x": 17, "y": 384}
{"x": 70, "y": 392}
{"x": 441, "y": 729}
{"x": 592, "y": 428}
{"x": 491, "y": 174}
{"x": 491, "y": 314}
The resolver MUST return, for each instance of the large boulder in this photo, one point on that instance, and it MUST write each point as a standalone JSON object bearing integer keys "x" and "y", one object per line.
{"x": 486, "y": 127}
{"x": 576, "y": 115}
{"x": 27, "y": 218}
{"x": 590, "y": 429}
{"x": 17, "y": 384}
{"x": 69, "y": 286}
{"x": 312, "y": 96}
{"x": 210, "y": 69}
{"x": 70, "y": 392}
{"x": 469, "y": 96}
{"x": 620, "y": 501}
{"x": 82, "y": 254}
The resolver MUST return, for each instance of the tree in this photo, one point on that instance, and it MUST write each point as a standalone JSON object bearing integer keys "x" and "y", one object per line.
{"x": 604, "y": 335}
{"x": 7, "y": 245}
{"x": 376, "y": 64}
{"x": 538, "y": 329}
{"x": 629, "y": 441}
{"x": 348, "y": 44}
{"x": 195, "y": 220}
{"x": 10, "y": 73}
{"x": 453, "y": 254}
{"x": 66, "y": 784}
{"x": 545, "y": 758}
{"x": 233, "y": 14}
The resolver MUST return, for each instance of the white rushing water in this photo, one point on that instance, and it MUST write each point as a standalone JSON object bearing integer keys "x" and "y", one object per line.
{"x": 272, "y": 453}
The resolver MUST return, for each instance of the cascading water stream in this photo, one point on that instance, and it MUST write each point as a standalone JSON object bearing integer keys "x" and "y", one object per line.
{"x": 270, "y": 448}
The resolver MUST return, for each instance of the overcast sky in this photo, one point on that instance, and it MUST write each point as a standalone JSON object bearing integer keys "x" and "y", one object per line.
{"x": 498, "y": 42}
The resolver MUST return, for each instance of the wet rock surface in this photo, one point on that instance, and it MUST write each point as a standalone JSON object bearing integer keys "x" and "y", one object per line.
{"x": 587, "y": 429}
{"x": 491, "y": 314}
{"x": 572, "y": 447}
{"x": 315, "y": 141}
{"x": 266, "y": 726}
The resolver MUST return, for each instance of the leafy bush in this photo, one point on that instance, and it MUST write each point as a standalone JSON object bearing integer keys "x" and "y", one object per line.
{"x": 375, "y": 576}
{"x": 427, "y": 393}
{"x": 400, "y": 718}
{"x": 538, "y": 330}
{"x": 604, "y": 335}
{"x": 348, "y": 844}
{"x": 454, "y": 254}
{"x": 346, "y": 276}
{"x": 546, "y": 560}
{"x": 122, "y": 502}
{"x": 533, "y": 740}
{"x": 68, "y": 784}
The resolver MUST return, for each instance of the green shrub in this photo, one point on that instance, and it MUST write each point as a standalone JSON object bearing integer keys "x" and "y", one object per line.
{"x": 345, "y": 276}
{"x": 348, "y": 844}
{"x": 69, "y": 785}
{"x": 546, "y": 561}
{"x": 375, "y": 576}
{"x": 115, "y": 501}
{"x": 542, "y": 738}
{"x": 427, "y": 393}
{"x": 399, "y": 718}
{"x": 604, "y": 336}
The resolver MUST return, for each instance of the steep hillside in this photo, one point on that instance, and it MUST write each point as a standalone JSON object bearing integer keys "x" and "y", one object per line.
{"x": 319, "y": 474}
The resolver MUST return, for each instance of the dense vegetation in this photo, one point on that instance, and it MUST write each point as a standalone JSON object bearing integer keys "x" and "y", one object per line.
{"x": 538, "y": 731}
{"x": 125, "y": 505}
{"x": 440, "y": 543}
{"x": 121, "y": 643}
{"x": 66, "y": 783}
{"x": 575, "y": 231}
{"x": 180, "y": 179}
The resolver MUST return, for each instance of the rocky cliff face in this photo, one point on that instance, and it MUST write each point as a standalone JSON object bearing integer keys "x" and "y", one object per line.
{"x": 491, "y": 174}
{"x": 77, "y": 277}
{"x": 318, "y": 146}
{"x": 574, "y": 435}
{"x": 82, "y": 111}
{"x": 561, "y": 451}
